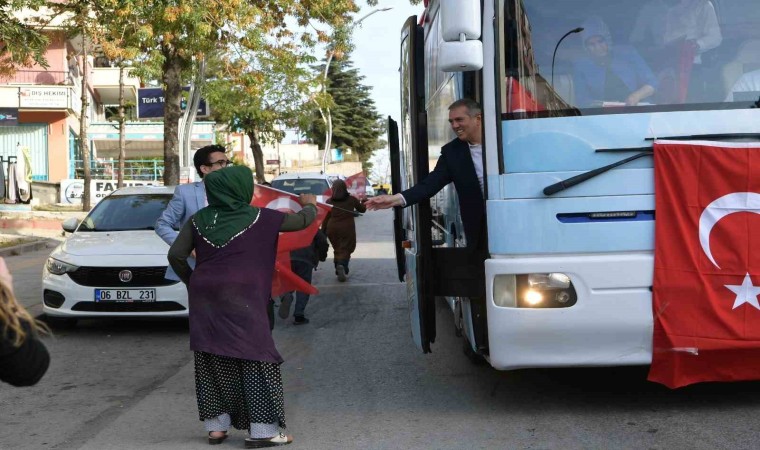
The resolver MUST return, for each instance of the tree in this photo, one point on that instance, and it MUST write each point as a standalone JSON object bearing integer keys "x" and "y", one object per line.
{"x": 262, "y": 82}
{"x": 121, "y": 37}
{"x": 21, "y": 44}
{"x": 356, "y": 122}
{"x": 183, "y": 32}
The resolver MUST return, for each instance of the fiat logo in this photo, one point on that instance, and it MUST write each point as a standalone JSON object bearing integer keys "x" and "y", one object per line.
{"x": 125, "y": 276}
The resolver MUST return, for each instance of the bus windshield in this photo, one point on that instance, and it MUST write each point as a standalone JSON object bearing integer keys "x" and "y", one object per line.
{"x": 586, "y": 57}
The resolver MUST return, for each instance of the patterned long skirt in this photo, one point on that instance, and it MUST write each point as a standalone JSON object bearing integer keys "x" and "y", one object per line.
{"x": 249, "y": 391}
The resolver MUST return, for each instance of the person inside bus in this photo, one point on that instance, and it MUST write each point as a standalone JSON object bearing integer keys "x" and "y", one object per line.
{"x": 670, "y": 30}
{"x": 746, "y": 87}
{"x": 608, "y": 73}
{"x": 461, "y": 163}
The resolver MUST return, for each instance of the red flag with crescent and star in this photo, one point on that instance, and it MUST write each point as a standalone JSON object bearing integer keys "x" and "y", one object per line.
{"x": 285, "y": 280}
{"x": 707, "y": 263}
{"x": 356, "y": 185}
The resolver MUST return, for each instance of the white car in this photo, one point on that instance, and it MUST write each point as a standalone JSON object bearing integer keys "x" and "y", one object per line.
{"x": 113, "y": 263}
{"x": 316, "y": 183}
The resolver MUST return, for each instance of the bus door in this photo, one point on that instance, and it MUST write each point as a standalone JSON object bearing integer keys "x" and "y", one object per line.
{"x": 414, "y": 233}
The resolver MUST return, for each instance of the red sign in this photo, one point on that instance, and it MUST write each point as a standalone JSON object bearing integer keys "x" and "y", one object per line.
{"x": 284, "y": 279}
{"x": 273, "y": 161}
{"x": 707, "y": 263}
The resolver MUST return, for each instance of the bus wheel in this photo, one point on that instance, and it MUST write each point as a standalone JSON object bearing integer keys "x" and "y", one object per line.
{"x": 474, "y": 357}
{"x": 458, "y": 320}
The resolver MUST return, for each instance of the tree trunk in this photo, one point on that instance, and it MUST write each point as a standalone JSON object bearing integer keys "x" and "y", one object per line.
{"x": 122, "y": 128}
{"x": 258, "y": 156}
{"x": 83, "y": 145}
{"x": 172, "y": 69}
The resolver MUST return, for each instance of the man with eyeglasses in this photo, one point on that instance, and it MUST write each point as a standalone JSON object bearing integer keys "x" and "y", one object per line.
{"x": 191, "y": 197}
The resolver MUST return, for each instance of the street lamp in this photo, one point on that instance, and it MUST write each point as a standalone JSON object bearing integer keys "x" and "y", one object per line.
{"x": 328, "y": 117}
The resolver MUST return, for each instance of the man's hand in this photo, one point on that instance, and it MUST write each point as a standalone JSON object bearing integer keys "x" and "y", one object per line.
{"x": 307, "y": 199}
{"x": 384, "y": 202}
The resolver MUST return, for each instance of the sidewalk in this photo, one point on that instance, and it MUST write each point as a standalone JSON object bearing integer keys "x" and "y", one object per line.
{"x": 27, "y": 231}
{"x": 35, "y": 223}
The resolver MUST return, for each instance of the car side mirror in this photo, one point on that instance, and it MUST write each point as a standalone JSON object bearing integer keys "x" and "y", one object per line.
{"x": 70, "y": 225}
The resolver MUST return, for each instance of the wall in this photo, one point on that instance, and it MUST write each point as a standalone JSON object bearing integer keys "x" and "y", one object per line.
{"x": 46, "y": 193}
{"x": 58, "y": 140}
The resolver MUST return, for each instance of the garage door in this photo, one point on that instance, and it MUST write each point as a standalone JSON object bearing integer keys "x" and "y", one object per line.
{"x": 33, "y": 136}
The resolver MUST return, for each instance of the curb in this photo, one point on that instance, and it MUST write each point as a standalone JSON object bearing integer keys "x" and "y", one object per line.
{"x": 28, "y": 247}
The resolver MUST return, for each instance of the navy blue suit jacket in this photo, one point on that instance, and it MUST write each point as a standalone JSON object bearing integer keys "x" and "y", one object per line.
{"x": 455, "y": 165}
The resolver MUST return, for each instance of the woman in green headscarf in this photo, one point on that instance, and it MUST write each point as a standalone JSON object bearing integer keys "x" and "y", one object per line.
{"x": 237, "y": 367}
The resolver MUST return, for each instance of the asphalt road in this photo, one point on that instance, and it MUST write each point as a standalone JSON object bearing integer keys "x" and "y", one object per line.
{"x": 354, "y": 380}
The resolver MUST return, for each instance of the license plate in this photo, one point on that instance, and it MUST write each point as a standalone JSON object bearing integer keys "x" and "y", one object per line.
{"x": 125, "y": 295}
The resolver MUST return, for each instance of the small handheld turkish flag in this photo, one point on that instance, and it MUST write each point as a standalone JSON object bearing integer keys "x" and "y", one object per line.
{"x": 284, "y": 278}
{"x": 357, "y": 185}
{"x": 707, "y": 263}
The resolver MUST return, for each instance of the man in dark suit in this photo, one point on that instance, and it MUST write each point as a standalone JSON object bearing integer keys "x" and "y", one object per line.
{"x": 461, "y": 162}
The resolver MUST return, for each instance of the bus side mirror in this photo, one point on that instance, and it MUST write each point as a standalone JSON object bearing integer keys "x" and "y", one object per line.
{"x": 461, "y": 50}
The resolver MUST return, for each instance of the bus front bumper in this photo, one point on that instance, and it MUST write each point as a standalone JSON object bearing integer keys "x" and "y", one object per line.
{"x": 610, "y": 324}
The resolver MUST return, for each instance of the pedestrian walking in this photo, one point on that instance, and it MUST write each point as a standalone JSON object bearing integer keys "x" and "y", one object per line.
{"x": 23, "y": 357}
{"x": 340, "y": 227}
{"x": 237, "y": 367}
{"x": 304, "y": 262}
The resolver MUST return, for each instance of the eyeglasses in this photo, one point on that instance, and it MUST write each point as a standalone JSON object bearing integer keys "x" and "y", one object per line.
{"x": 221, "y": 162}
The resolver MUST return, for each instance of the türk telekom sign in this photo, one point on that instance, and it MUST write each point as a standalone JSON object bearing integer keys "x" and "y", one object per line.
{"x": 150, "y": 103}
{"x": 44, "y": 97}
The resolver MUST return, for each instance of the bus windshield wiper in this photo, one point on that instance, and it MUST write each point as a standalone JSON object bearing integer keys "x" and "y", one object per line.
{"x": 572, "y": 181}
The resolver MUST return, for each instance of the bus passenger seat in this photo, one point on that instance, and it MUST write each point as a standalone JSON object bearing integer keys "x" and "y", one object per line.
{"x": 747, "y": 59}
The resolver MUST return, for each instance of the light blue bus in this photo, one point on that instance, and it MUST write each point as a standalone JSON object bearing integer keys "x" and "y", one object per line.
{"x": 569, "y": 179}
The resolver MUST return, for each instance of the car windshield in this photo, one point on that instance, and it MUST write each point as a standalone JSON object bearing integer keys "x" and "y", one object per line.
{"x": 126, "y": 212}
{"x": 585, "y": 57}
{"x": 296, "y": 186}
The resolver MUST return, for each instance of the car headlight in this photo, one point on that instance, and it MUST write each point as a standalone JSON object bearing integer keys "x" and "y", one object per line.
{"x": 534, "y": 290}
{"x": 57, "y": 267}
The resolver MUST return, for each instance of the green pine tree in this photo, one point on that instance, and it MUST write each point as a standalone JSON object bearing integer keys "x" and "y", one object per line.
{"x": 356, "y": 122}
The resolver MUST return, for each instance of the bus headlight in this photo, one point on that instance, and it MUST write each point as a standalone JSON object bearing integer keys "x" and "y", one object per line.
{"x": 534, "y": 290}
{"x": 505, "y": 291}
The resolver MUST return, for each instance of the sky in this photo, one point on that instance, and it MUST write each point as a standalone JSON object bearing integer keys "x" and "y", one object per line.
{"x": 376, "y": 55}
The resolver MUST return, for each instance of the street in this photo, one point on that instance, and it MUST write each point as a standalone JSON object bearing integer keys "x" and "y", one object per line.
{"x": 353, "y": 379}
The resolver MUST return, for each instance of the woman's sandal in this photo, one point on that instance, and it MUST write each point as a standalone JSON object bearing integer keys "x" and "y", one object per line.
{"x": 216, "y": 440}
{"x": 280, "y": 439}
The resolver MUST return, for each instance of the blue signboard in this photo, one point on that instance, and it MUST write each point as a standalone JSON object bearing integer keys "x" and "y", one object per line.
{"x": 8, "y": 117}
{"x": 150, "y": 103}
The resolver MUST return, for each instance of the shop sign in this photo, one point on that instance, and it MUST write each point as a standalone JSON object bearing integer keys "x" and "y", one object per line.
{"x": 72, "y": 191}
{"x": 8, "y": 117}
{"x": 150, "y": 103}
{"x": 44, "y": 97}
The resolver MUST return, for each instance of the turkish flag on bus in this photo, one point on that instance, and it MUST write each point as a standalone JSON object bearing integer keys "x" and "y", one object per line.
{"x": 357, "y": 185}
{"x": 284, "y": 279}
{"x": 707, "y": 263}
